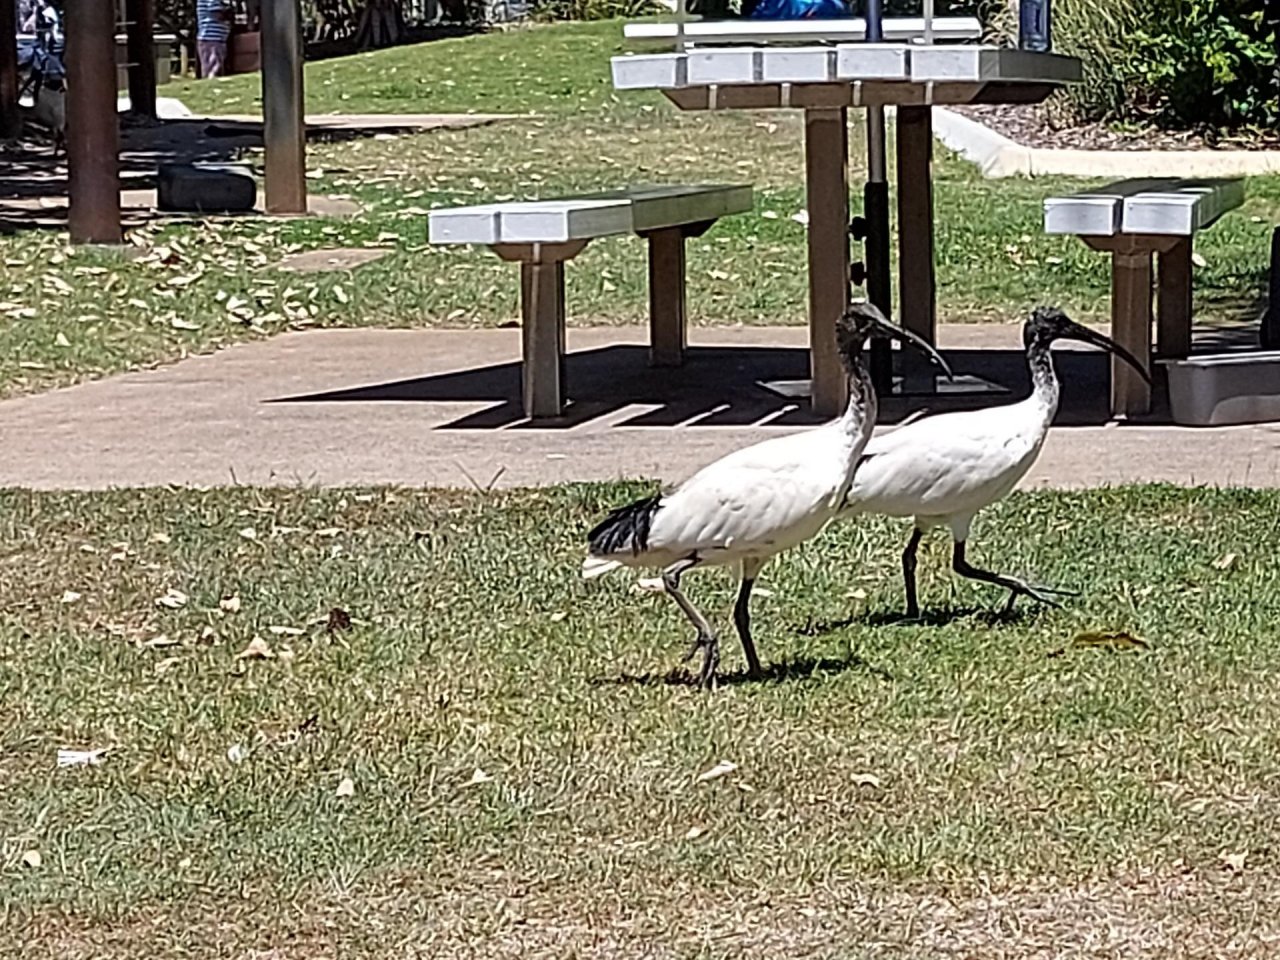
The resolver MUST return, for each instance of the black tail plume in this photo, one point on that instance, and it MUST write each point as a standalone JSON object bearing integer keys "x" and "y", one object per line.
{"x": 625, "y": 529}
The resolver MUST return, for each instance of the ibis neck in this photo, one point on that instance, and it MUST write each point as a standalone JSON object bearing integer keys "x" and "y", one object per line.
{"x": 1044, "y": 380}
{"x": 854, "y": 426}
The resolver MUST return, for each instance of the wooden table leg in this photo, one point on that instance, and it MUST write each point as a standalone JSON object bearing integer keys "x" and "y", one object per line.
{"x": 917, "y": 295}
{"x": 1173, "y": 335}
{"x": 667, "y": 306}
{"x": 826, "y": 142}
{"x": 1131, "y": 328}
{"x": 542, "y": 327}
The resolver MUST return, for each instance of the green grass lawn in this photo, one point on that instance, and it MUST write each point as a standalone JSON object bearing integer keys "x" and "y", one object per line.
{"x": 69, "y": 315}
{"x": 497, "y": 759}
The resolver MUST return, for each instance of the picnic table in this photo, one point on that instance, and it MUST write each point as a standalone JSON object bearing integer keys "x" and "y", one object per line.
{"x": 824, "y": 74}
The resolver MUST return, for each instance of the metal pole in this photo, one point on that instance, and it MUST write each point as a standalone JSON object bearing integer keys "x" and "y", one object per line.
{"x": 874, "y": 22}
{"x": 140, "y": 33}
{"x": 875, "y": 210}
{"x": 928, "y": 21}
{"x": 682, "y": 12}
{"x": 93, "y": 135}
{"x": 284, "y": 131}
{"x": 10, "y": 119}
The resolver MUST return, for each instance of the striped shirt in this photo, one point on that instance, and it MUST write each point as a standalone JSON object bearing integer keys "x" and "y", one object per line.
{"x": 210, "y": 25}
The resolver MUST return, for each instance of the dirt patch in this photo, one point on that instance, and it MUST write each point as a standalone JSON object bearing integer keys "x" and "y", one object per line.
{"x": 332, "y": 260}
{"x": 1033, "y": 126}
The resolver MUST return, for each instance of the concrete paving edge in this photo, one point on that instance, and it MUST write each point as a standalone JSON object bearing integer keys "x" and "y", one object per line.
{"x": 997, "y": 156}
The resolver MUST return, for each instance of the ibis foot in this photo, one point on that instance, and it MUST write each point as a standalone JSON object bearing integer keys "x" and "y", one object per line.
{"x": 710, "y": 647}
{"x": 1015, "y": 586}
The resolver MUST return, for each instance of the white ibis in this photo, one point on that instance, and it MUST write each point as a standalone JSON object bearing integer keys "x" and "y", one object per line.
{"x": 752, "y": 504}
{"x": 943, "y": 469}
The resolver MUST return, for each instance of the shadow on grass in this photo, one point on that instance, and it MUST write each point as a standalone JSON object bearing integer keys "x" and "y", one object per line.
{"x": 928, "y": 618}
{"x": 804, "y": 668}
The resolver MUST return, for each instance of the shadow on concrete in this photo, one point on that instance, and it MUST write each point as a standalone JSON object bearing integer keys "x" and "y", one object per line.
{"x": 726, "y": 386}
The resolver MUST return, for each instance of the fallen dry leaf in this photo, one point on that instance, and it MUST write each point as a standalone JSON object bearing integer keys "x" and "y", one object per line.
{"x": 258, "y": 649}
{"x": 229, "y": 604}
{"x": 173, "y": 599}
{"x": 70, "y": 597}
{"x": 1234, "y": 861}
{"x": 866, "y": 780}
{"x": 1226, "y": 561}
{"x": 32, "y": 859}
{"x": 721, "y": 769}
{"x": 1106, "y": 639}
{"x": 694, "y": 832}
{"x": 76, "y": 758}
{"x": 346, "y": 788}
{"x": 236, "y": 752}
{"x": 478, "y": 777}
{"x": 280, "y": 631}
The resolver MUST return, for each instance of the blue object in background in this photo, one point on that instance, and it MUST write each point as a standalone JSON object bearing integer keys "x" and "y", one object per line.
{"x": 799, "y": 10}
{"x": 1034, "y": 32}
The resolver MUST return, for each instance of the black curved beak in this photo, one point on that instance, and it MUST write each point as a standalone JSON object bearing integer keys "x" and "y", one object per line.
{"x": 887, "y": 329}
{"x": 1074, "y": 331}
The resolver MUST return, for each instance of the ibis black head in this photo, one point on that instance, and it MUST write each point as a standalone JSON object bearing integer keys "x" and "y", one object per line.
{"x": 1048, "y": 324}
{"x": 864, "y": 319}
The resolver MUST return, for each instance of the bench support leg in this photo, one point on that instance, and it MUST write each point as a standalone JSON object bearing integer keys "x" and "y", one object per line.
{"x": 826, "y": 149}
{"x": 668, "y": 318}
{"x": 542, "y": 327}
{"x": 1131, "y": 312}
{"x": 542, "y": 309}
{"x": 1131, "y": 328}
{"x": 1173, "y": 338}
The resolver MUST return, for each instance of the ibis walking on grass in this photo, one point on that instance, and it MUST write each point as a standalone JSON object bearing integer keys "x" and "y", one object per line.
{"x": 943, "y": 469}
{"x": 752, "y": 504}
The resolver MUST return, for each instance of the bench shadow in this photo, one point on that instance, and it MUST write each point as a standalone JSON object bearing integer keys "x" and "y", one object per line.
{"x": 783, "y": 671}
{"x": 721, "y": 386}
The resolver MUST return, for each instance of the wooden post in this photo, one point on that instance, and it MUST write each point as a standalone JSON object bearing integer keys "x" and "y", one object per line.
{"x": 93, "y": 135}
{"x": 542, "y": 332}
{"x": 1131, "y": 328}
{"x": 283, "y": 128}
{"x": 542, "y": 321}
{"x": 917, "y": 293}
{"x": 10, "y": 118}
{"x": 826, "y": 139}
{"x": 667, "y": 306}
{"x": 140, "y": 36}
{"x": 1131, "y": 312}
{"x": 1173, "y": 313}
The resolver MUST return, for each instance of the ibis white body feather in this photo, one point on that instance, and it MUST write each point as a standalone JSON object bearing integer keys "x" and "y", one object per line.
{"x": 945, "y": 468}
{"x": 753, "y": 503}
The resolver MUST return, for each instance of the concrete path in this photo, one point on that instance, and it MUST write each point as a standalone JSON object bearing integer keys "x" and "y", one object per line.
{"x": 439, "y": 407}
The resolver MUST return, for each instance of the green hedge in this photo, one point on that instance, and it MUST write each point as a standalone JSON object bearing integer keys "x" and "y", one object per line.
{"x": 1191, "y": 64}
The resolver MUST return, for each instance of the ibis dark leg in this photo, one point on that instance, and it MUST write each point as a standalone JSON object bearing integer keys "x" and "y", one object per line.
{"x": 909, "y": 573}
{"x": 742, "y": 619}
{"x": 1017, "y": 588}
{"x": 706, "y": 638}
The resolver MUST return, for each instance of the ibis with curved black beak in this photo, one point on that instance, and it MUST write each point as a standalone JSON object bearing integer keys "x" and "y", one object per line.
{"x": 942, "y": 469}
